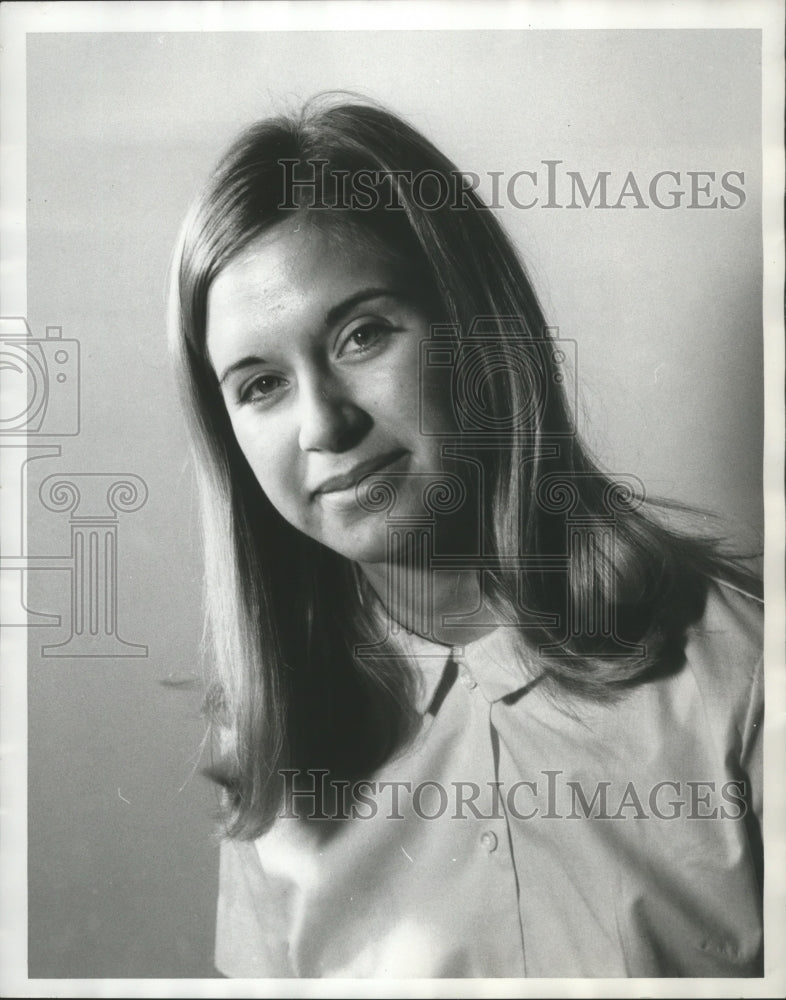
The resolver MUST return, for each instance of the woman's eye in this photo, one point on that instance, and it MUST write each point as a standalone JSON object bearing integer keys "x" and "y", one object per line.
{"x": 262, "y": 388}
{"x": 363, "y": 338}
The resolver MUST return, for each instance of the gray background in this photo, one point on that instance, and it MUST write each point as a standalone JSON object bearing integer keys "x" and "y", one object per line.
{"x": 664, "y": 305}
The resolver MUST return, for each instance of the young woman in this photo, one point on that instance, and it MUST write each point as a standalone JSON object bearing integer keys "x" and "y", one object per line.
{"x": 479, "y": 712}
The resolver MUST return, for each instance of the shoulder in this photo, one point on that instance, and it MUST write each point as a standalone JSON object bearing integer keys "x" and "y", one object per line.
{"x": 723, "y": 656}
{"x": 251, "y": 916}
{"x": 732, "y": 605}
{"x": 727, "y": 640}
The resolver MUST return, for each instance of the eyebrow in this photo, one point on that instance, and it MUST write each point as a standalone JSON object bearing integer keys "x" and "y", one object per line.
{"x": 338, "y": 312}
{"x": 334, "y": 315}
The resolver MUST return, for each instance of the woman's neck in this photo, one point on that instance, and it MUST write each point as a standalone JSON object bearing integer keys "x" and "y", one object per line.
{"x": 446, "y": 606}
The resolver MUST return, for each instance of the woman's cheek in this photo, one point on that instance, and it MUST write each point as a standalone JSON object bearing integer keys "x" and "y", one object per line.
{"x": 277, "y": 467}
{"x": 256, "y": 444}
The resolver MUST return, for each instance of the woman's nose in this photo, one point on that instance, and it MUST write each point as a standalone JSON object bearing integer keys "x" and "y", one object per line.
{"x": 330, "y": 420}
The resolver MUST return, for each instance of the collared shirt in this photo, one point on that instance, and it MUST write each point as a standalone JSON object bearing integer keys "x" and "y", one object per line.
{"x": 525, "y": 833}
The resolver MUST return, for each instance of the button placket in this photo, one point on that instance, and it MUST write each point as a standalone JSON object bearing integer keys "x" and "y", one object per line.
{"x": 488, "y": 843}
{"x": 465, "y": 676}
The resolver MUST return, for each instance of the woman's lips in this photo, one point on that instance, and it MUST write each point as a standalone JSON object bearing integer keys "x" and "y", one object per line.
{"x": 340, "y": 490}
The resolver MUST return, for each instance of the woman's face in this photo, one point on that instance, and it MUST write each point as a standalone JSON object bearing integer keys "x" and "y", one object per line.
{"x": 317, "y": 352}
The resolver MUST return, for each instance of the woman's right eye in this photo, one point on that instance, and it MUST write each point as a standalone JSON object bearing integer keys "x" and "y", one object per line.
{"x": 261, "y": 389}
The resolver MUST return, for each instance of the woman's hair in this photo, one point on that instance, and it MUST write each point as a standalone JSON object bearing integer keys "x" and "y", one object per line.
{"x": 601, "y": 587}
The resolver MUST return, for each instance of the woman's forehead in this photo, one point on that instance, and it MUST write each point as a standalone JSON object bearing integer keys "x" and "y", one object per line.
{"x": 297, "y": 259}
{"x": 347, "y": 232}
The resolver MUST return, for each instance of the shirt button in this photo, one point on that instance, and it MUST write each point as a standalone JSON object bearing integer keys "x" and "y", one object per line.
{"x": 489, "y": 841}
{"x": 467, "y": 679}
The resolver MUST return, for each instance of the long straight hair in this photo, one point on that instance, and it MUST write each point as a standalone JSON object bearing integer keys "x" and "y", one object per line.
{"x": 284, "y": 614}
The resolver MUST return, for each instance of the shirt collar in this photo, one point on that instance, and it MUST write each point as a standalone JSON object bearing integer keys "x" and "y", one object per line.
{"x": 494, "y": 664}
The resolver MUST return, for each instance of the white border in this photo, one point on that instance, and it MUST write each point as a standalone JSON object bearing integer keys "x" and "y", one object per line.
{"x": 16, "y": 20}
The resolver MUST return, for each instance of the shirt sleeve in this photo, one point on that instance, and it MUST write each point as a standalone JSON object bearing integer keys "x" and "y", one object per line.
{"x": 250, "y": 921}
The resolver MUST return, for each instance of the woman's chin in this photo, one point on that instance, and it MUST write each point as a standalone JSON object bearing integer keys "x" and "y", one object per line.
{"x": 363, "y": 543}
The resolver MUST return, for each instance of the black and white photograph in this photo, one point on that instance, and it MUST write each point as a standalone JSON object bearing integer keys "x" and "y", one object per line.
{"x": 392, "y": 449}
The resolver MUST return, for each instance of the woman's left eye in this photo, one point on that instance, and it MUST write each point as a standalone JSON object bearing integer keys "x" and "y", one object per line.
{"x": 363, "y": 338}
